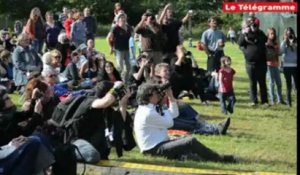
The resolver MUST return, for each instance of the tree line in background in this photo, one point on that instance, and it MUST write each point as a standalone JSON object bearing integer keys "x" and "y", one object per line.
{"x": 103, "y": 10}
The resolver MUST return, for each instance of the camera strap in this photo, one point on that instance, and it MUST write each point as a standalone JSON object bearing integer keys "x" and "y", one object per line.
{"x": 159, "y": 110}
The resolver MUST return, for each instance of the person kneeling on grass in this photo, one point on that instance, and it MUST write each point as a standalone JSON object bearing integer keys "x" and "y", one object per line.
{"x": 151, "y": 123}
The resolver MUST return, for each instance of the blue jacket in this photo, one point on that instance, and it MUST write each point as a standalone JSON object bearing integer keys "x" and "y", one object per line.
{"x": 23, "y": 64}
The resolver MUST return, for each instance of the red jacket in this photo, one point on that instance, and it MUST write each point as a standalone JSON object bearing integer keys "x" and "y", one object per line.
{"x": 67, "y": 26}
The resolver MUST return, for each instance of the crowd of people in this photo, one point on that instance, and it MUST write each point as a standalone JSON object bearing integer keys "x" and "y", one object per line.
{"x": 72, "y": 92}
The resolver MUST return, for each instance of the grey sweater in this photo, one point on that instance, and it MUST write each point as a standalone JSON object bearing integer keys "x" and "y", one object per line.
{"x": 289, "y": 56}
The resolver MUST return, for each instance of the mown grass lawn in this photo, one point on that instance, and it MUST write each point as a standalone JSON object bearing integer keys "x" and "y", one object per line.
{"x": 263, "y": 138}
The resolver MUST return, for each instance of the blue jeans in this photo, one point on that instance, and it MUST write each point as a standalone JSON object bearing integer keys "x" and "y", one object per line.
{"x": 230, "y": 99}
{"x": 273, "y": 75}
{"x": 37, "y": 45}
{"x": 30, "y": 158}
{"x": 187, "y": 120}
{"x": 123, "y": 63}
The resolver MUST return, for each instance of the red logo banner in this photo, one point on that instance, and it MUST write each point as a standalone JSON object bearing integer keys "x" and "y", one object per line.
{"x": 260, "y": 7}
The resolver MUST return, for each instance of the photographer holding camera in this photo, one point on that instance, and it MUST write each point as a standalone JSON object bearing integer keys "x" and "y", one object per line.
{"x": 151, "y": 123}
{"x": 171, "y": 27}
{"x": 188, "y": 118}
{"x": 253, "y": 40}
{"x": 288, "y": 48}
{"x": 143, "y": 70}
{"x": 152, "y": 37}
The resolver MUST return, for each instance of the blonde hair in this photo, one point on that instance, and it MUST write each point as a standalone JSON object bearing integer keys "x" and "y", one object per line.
{"x": 36, "y": 11}
{"x": 159, "y": 66}
{"x": 22, "y": 37}
{"x": 46, "y": 58}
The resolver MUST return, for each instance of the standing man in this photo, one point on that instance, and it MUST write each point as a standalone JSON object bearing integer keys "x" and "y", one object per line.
{"x": 118, "y": 39}
{"x": 152, "y": 37}
{"x": 213, "y": 41}
{"x": 63, "y": 16}
{"x": 90, "y": 23}
{"x": 253, "y": 44}
{"x": 231, "y": 35}
{"x": 171, "y": 26}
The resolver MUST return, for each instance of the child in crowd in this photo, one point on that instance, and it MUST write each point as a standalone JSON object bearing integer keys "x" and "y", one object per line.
{"x": 273, "y": 73}
{"x": 226, "y": 93}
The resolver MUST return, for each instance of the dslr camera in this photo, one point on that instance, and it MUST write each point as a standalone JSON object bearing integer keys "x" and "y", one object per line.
{"x": 163, "y": 87}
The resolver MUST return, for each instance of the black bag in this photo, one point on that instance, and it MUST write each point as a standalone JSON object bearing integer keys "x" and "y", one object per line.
{"x": 65, "y": 110}
{"x": 65, "y": 160}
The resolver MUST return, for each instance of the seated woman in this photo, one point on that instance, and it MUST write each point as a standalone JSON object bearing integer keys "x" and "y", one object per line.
{"x": 110, "y": 73}
{"x": 89, "y": 69}
{"x": 22, "y": 69}
{"x": 37, "y": 90}
{"x": 6, "y": 71}
{"x": 51, "y": 60}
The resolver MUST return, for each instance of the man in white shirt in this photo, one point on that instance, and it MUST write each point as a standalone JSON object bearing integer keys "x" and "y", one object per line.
{"x": 151, "y": 123}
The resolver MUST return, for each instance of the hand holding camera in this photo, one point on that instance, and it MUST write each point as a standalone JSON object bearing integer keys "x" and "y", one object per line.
{"x": 118, "y": 90}
{"x": 36, "y": 94}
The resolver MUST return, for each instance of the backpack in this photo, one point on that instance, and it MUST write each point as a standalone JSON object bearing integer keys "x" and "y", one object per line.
{"x": 65, "y": 153}
{"x": 65, "y": 110}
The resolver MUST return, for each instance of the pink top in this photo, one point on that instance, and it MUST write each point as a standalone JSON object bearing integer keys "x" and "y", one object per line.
{"x": 226, "y": 79}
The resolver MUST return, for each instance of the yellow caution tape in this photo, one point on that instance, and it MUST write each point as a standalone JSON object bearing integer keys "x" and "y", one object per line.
{"x": 169, "y": 169}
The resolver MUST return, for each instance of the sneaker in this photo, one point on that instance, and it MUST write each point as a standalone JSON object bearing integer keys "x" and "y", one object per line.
{"x": 205, "y": 103}
{"x": 265, "y": 105}
{"x": 224, "y": 126}
{"x": 253, "y": 104}
{"x": 281, "y": 102}
{"x": 183, "y": 94}
{"x": 230, "y": 159}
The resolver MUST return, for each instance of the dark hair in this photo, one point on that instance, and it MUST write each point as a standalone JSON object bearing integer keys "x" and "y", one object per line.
{"x": 115, "y": 72}
{"x": 292, "y": 32}
{"x": 145, "y": 91}
{"x": 212, "y": 18}
{"x": 91, "y": 62}
{"x": 102, "y": 88}
{"x": 3, "y": 92}
{"x": 224, "y": 59}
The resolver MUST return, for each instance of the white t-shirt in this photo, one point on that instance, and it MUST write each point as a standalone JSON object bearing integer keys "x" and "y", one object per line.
{"x": 150, "y": 127}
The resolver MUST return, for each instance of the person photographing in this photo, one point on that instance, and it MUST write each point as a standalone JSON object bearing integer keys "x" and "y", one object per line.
{"x": 151, "y": 125}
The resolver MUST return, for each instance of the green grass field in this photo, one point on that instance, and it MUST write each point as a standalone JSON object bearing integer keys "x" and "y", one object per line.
{"x": 263, "y": 138}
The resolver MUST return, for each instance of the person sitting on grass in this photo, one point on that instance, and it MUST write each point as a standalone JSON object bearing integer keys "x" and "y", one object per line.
{"x": 151, "y": 123}
{"x": 189, "y": 119}
{"x": 110, "y": 73}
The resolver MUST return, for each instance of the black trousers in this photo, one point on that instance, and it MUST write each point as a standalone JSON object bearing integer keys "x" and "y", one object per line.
{"x": 257, "y": 74}
{"x": 289, "y": 73}
{"x": 174, "y": 149}
{"x": 213, "y": 61}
